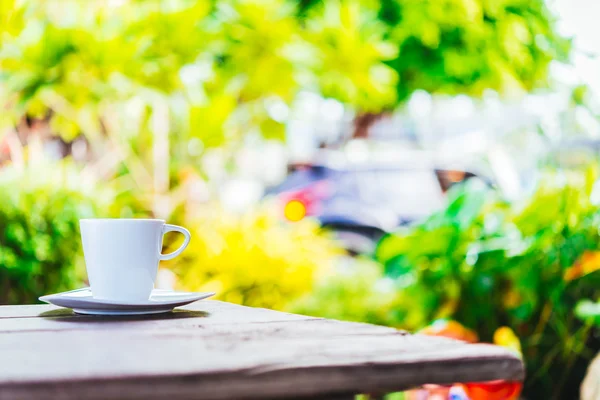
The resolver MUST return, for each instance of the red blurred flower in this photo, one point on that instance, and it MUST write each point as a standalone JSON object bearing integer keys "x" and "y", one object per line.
{"x": 493, "y": 390}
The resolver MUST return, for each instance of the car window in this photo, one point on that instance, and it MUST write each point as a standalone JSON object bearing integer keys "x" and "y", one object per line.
{"x": 410, "y": 193}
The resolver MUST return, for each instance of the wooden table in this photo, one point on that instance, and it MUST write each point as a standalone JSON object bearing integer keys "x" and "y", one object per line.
{"x": 213, "y": 350}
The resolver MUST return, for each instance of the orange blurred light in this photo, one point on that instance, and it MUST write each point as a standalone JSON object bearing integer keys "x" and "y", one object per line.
{"x": 294, "y": 210}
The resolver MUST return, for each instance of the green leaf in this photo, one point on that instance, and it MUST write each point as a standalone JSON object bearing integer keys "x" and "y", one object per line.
{"x": 588, "y": 310}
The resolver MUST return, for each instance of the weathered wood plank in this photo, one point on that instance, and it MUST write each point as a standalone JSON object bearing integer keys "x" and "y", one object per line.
{"x": 82, "y": 355}
{"x": 228, "y": 352}
{"x": 29, "y": 310}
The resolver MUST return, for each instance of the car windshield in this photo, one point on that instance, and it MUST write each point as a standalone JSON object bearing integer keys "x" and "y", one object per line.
{"x": 411, "y": 193}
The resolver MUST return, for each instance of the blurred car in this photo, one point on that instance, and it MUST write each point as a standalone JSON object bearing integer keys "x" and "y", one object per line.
{"x": 361, "y": 203}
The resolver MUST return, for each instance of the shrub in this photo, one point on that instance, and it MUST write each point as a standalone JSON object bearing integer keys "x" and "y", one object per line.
{"x": 40, "y": 247}
{"x": 487, "y": 263}
{"x": 255, "y": 259}
{"x": 353, "y": 291}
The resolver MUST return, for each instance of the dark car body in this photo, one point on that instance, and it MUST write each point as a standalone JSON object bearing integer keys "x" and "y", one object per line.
{"x": 360, "y": 204}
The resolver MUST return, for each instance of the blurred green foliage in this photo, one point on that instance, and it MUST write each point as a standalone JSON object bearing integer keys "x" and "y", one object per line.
{"x": 487, "y": 263}
{"x": 464, "y": 46}
{"x": 355, "y": 292}
{"x": 40, "y": 250}
{"x": 219, "y": 65}
{"x": 588, "y": 310}
{"x": 468, "y": 46}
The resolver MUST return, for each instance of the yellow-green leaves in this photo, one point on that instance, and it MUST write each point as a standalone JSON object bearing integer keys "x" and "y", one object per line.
{"x": 370, "y": 55}
{"x": 254, "y": 259}
{"x": 351, "y": 54}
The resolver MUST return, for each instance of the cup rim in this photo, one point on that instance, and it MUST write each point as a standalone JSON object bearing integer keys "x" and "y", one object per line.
{"x": 121, "y": 220}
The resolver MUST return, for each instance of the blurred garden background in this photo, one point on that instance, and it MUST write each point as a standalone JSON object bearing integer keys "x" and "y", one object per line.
{"x": 430, "y": 165}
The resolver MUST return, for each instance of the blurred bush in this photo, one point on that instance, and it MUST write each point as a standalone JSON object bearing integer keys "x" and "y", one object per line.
{"x": 493, "y": 267}
{"x": 352, "y": 291}
{"x": 487, "y": 264}
{"x": 40, "y": 247}
{"x": 253, "y": 259}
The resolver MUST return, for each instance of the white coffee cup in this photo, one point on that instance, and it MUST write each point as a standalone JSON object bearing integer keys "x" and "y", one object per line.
{"x": 122, "y": 255}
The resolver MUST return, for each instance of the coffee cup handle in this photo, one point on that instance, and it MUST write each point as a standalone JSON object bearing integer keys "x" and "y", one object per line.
{"x": 186, "y": 241}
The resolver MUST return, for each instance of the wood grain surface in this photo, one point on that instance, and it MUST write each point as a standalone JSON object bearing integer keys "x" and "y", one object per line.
{"x": 214, "y": 350}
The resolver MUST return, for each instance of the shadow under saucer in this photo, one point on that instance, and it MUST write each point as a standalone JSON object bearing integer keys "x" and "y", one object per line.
{"x": 68, "y": 315}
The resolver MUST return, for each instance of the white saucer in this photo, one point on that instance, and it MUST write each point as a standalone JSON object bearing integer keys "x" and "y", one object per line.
{"x": 83, "y": 302}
